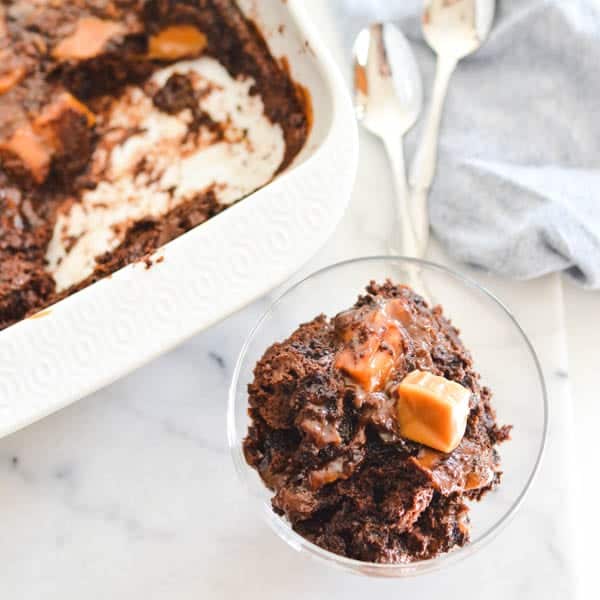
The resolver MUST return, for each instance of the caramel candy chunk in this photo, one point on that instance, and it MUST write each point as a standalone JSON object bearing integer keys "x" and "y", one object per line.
{"x": 27, "y": 153}
{"x": 66, "y": 126}
{"x": 175, "y": 42}
{"x": 64, "y": 103}
{"x": 10, "y": 79}
{"x": 61, "y": 129}
{"x": 88, "y": 39}
{"x": 432, "y": 410}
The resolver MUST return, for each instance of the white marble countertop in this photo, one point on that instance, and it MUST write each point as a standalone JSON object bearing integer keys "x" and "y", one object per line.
{"x": 582, "y": 311}
{"x": 131, "y": 493}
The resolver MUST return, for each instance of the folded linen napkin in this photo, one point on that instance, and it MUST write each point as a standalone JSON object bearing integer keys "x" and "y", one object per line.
{"x": 517, "y": 189}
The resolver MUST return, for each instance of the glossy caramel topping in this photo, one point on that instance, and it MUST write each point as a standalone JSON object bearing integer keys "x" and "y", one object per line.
{"x": 372, "y": 342}
{"x": 429, "y": 459}
{"x": 341, "y": 467}
{"x": 468, "y": 467}
{"x": 322, "y": 434}
{"x": 88, "y": 39}
{"x": 432, "y": 410}
{"x": 31, "y": 150}
{"x": 175, "y": 42}
{"x": 331, "y": 472}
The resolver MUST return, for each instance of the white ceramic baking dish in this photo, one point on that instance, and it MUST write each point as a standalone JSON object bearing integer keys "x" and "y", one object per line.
{"x": 112, "y": 327}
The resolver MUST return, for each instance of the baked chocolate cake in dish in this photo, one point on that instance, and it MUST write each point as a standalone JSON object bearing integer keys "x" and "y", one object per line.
{"x": 123, "y": 124}
{"x": 373, "y": 431}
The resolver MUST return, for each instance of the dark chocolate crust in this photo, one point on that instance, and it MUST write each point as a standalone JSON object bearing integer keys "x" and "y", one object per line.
{"x": 41, "y": 92}
{"x": 332, "y": 456}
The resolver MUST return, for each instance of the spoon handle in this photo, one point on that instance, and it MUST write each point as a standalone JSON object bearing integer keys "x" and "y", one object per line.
{"x": 423, "y": 166}
{"x": 403, "y": 241}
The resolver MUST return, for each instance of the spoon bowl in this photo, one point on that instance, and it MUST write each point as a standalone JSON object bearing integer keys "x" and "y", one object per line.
{"x": 457, "y": 28}
{"x": 387, "y": 83}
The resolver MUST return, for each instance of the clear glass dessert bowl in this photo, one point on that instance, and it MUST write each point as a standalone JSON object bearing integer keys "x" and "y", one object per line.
{"x": 501, "y": 353}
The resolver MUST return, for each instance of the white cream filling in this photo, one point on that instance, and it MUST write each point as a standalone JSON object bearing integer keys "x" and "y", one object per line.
{"x": 175, "y": 169}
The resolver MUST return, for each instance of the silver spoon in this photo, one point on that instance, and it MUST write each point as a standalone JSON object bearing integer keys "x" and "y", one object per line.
{"x": 388, "y": 100}
{"x": 453, "y": 29}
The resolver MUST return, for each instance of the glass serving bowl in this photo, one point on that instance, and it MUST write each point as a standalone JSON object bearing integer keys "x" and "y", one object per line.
{"x": 501, "y": 353}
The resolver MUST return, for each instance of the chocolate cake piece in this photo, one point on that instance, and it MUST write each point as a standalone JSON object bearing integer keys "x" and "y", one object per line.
{"x": 23, "y": 237}
{"x": 23, "y": 283}
{"x": 326, "y": 441}
{"x": 81, "y": 84}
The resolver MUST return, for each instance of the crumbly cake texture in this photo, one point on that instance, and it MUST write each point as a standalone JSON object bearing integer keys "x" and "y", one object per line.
{"x": 62, "y": 64}
{"x": 330, "y": 451}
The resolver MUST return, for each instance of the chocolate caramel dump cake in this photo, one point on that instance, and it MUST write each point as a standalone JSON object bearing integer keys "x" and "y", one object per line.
{"x": 123, "y": 124}
{"x": 373, "y": 431}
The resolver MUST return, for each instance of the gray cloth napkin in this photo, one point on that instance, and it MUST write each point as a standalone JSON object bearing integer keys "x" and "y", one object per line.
{"x": 517, "y": 189}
